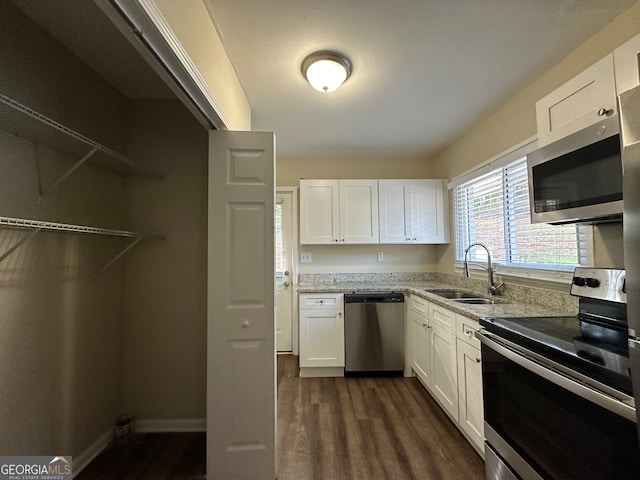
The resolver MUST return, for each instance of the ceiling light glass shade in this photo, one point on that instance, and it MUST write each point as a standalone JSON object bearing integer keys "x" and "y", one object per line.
{"x": 326, "y": 71}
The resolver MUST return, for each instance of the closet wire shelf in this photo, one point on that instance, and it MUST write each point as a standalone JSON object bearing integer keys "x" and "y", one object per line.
{"x": 41, "y": 225}
{"x": 32, "y": 125}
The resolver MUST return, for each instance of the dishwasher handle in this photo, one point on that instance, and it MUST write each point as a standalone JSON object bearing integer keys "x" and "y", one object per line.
{"x": 374, "y": 297}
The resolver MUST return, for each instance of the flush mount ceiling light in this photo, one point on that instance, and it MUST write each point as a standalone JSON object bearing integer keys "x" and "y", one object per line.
{"x": 326, "y": 71}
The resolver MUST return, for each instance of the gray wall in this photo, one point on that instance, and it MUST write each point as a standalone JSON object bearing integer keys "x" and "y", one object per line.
{"x": 165, "y": 281}
{"x": 60, "y": 329}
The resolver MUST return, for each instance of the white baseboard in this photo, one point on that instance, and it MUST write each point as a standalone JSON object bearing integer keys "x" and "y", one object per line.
{"x": 171, "y": 425}
{"x": 95, "y": 449}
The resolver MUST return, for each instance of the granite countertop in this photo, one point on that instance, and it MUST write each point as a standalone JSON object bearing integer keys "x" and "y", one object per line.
{"x": 501, "y": 308}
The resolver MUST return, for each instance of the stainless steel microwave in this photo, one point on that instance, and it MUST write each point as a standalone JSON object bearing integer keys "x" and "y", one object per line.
{"x": 578, "y": 179}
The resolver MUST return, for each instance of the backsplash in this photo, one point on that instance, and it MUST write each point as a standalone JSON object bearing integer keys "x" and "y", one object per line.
{"x": 562, "y": 302}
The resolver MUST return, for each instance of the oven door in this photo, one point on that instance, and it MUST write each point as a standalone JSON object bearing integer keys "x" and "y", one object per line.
{"x": 541, "y": 423}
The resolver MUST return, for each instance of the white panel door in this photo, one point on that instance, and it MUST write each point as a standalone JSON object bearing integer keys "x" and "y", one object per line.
{"x": 241, "y": 386}
{"x": 284, "y": 221}
{"x": 359, "y": 211}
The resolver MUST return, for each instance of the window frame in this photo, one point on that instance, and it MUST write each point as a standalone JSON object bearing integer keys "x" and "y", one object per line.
{"x": 529, "y": 273}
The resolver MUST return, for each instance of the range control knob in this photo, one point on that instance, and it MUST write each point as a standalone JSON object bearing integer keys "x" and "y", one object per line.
{"x": 579, "y": 281}
{"x": 593, "y": 282}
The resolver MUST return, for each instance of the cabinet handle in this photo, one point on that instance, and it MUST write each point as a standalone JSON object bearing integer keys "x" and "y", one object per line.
{"x": 604, "y": 111}
{"x": 407, "y": 239}
{"x": 336, "y": 240}
{"x": 414, "y": 239}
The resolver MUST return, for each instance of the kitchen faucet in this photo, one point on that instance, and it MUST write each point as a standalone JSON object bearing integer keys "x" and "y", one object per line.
{"x": 492, "y": 289}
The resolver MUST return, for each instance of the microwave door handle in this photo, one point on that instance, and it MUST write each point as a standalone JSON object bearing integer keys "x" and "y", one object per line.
{"x": 561, "y": 379}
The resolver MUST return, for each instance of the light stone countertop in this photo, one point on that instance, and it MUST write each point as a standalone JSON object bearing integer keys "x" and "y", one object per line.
{"x": 501, "y": 308}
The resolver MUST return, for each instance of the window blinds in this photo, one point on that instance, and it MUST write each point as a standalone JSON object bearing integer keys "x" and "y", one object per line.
{"x": 494, "y": 209}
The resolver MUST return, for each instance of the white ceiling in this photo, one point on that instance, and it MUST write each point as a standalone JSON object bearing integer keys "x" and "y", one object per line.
{"x": 424, "y": 71}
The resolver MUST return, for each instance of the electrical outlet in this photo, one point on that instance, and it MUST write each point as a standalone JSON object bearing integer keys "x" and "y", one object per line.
{"x": 305, "y": 257}
{"x": 381, "y": 256}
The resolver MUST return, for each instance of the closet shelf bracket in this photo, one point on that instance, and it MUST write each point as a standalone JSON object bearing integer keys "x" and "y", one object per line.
{"x": 17, "y": 245}
{"x": 118, "y": 256}
{"x": 65, "y": 175}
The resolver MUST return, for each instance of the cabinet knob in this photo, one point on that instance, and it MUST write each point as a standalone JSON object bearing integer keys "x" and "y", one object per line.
{"x": 286, "y": 284}
{"x": 605, "y": 112}
{"x": 478, "y": 360}
{"x": 246, "y": 324}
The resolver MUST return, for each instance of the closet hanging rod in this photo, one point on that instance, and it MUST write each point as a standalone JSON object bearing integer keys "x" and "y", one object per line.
{"x": 63, "y": 227}
{"x": 66, "y": 130}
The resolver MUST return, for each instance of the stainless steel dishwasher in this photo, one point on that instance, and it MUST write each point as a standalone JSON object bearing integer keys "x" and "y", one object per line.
{"x": 374, "y": 332}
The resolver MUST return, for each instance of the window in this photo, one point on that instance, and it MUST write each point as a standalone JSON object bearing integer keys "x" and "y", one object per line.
{"x": 493, "y": 208}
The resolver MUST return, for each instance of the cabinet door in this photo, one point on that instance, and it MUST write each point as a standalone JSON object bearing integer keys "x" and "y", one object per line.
{"x": 421, "y": 347}
{"x": 444, "y": 374}
{"x": 359, "y": 211}
{"x": 471, "y": 418}
{"x": 578, "y": 103}
{"x": 429, "y": 212}
{"x": 626, "y": 59}
{"x": 394, "y": 214}
{"x": 321, "y": 338}
{"x": 319, "y": 211}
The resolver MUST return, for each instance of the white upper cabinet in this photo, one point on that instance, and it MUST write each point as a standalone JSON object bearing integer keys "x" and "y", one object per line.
{"x": 413, "y": 211}
{"x": 359, "y": 211}
{"x": 582, "y": 101}
{"x": 338, "y": 211}
{"x": 319, "y": 211}
{"x": 626, "y": 59}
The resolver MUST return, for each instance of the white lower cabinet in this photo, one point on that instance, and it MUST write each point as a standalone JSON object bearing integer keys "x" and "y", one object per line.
{"x": 470, "y": 414}
{"x": 470, "y": 408}
{"x": 420, "y": 339}
{"x": 321, "y": 334}
{"x": 445, "y": 356}
{"x": 444, "y": 384}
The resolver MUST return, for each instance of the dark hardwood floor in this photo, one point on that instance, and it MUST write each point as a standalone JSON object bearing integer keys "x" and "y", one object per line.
{"x": 328, "y": 429}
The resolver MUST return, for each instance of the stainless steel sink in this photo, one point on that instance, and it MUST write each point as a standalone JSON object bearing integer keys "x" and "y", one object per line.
{"x": 473, "y": 301}
{"x": 461, "y": 296}
{"x": 454, "y": 294}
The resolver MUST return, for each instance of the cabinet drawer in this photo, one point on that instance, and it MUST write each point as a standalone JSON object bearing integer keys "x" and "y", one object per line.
{"x": 315, "y": 301}
{"x": 420, "y": 305}
{"x": 443, "y": 318}
{"x": 465, "y": 330}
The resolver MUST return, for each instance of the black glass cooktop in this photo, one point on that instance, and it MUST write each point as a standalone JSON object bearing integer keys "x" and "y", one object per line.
{"x": 598, "y": 352}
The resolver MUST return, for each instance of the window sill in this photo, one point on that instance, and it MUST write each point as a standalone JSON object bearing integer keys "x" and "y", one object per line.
{"x": 549, "y": 279}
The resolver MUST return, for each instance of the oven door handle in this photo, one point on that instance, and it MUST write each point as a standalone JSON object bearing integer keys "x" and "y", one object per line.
{"x": 523, "y": 357}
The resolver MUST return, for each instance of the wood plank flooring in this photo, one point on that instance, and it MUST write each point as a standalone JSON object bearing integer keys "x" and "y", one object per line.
{"x": 328, "y": 429}
{"x": 366, "y": 428}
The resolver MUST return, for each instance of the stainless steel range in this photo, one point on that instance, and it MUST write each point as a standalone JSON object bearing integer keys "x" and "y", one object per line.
{"x": 558, "y": 399}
